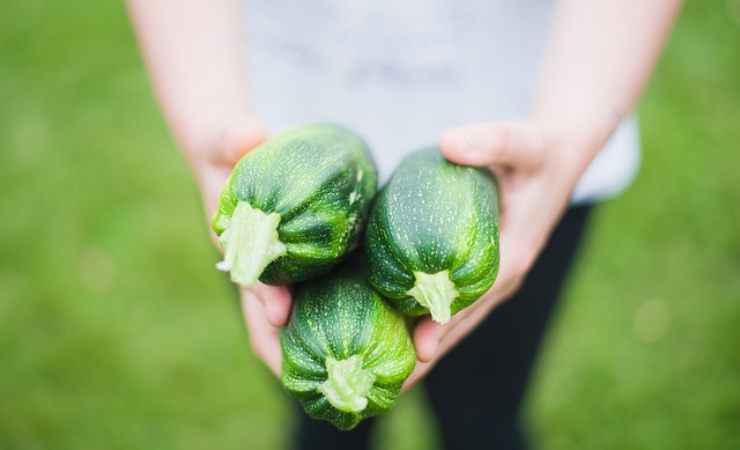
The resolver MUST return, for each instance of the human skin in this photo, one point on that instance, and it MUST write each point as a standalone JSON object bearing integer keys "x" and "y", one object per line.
{"x": 599, "y": 55}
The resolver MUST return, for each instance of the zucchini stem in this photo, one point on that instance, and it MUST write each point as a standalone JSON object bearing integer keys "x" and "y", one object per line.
{"x": 436, "y": 293}
{"x": 347, "y": 384}
{"x": 250, "y": 242}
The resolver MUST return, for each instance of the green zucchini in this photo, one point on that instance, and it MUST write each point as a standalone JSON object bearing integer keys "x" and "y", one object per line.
{"x": 432, "y": 237}
{"x": 346, "y": 353}
{"x": 295, "y": 205}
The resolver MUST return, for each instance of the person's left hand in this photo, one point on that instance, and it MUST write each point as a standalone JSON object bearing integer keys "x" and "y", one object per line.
{"x": 536, "y": 170}
{"x": 213, "y": 152}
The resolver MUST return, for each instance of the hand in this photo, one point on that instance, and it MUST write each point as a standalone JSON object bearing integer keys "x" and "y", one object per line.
{"x": 213, "y": 156}
{"x": 535, "y": 174}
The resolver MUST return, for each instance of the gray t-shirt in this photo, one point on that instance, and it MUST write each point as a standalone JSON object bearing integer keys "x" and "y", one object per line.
{"x": 401, "y": 71}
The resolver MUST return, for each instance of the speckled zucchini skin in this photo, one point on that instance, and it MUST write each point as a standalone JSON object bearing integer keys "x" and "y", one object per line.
{"x": 432, "y": 216}
{"x": 338, "y": 316}
{"x": 320, "y": 179}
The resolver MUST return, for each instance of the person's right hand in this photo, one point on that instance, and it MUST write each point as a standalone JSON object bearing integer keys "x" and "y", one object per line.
{"x": 213, "y": 156}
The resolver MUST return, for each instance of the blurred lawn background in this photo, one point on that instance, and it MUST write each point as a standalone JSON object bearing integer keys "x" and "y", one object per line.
{"x": 116, "y": 331}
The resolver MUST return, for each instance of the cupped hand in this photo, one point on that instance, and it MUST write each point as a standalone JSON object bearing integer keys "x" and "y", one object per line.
{"x": 213, "y": 156}
{"x": 535, "y": 172}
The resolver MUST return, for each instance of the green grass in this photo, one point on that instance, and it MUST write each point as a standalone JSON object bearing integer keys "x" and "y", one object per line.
{"x": 116, "y": 332}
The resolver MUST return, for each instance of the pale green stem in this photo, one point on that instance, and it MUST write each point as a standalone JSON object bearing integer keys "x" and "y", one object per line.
{"x": 347, "y": 384}
{"x": 435, "y": 292}
{"x": 250, "y": 243}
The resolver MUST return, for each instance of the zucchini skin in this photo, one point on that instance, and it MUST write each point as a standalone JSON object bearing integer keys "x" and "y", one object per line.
{"x": 339, "y": 316}
{"x": 433, "y": 216}
{"x": 320, "y": 180}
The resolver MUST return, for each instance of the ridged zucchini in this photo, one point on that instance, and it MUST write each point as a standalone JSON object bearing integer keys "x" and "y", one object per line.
{"x": 432, "y": 237}
{"x": 295, "y": 205}
{"x": 346, "y": 353}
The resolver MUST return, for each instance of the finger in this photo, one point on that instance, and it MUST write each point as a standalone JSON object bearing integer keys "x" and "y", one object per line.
{"x": 420, "y": 371}
{"x": 508, "y": 267}
{"x": 513, "y": 144}
{"x": 510, "y": 279}
{"x": 212, "y": 179}
{"x": 276, "y": 300}
{"x": 521, "y": 241}
{"x": 433, "y": 340}
{"x": 264, "y": 337}
{"x": 427, "y": 335}
{"x": 238, "y": 140}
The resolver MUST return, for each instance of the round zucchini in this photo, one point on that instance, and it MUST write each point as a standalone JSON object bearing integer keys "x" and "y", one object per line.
{"x": 346, "y": 353}
{"x": 432, "y": 237}
{"x": 295, "y": 205}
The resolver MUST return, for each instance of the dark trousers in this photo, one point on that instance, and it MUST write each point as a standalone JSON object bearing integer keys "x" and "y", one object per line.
{"x": 476, "y": 391}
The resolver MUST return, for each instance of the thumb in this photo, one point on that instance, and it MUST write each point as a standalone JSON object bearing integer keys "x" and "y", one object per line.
{"x": 237, "y": 140}
{"x": 427, "y": 335}
{"x": 518, "y": 145}
{"x": 277, "y": 301}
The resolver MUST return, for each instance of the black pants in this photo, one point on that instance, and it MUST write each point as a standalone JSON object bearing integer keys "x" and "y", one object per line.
{"x": 476, "y": 391}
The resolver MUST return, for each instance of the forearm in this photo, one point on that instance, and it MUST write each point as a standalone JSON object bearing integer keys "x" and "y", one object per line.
{"x": 599, "y": 56}
{"x": 194, "y": 56}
